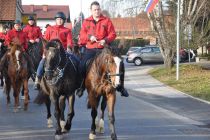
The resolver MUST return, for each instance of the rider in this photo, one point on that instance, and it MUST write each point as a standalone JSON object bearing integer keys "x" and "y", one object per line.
{"x": 3, "y": 34}
{"x": 33, "y": 32}
{"x": 17, "y": 33}
{"x": 96, "y": 31}
{"x": 57, "y": 31}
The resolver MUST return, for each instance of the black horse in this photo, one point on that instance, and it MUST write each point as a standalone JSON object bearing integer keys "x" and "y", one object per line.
{"x": 58, "y": 84}
{"x": 3, "y": 50}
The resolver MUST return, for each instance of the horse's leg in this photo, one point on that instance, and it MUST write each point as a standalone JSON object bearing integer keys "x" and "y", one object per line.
{"x": 8, "y": 88}
{"x": 62, "y": 106}
{"x": 25, "y": 86}
{"x": 111, "y": 98}
{"x": 15, "y": 94}
{"x": 71, "y": 100}
{"x": 2, "y": 79}
{"x": 101, "y": 121}
{"x": 22, "y": 93}
{"x": 92, "y": 134}
{"x": 49, "y": 119}
{"x": 57, "y": 114}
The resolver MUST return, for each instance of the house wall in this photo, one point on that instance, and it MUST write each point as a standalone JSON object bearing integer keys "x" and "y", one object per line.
{"x": 43, "y": 23}
{"x": 18, "y": 14}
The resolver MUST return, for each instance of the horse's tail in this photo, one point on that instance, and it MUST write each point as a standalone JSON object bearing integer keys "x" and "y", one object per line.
{"x": 41, "y": 98}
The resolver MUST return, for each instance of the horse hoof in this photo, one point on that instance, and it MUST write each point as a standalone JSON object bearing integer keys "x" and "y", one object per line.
{"x": 49, "y": 123}
{"x": 59, "y": 137}
{"x": 63, "y": 123}
{"x": 15, "y": 110}
{"x": 92, "y": 136}
{"x": 19, "y": 107}
{"x": 113, "y": 136}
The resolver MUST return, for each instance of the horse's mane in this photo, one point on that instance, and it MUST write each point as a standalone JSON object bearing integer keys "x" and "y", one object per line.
{"x": 100, "y": 59}
{"x": 15, "y": 45}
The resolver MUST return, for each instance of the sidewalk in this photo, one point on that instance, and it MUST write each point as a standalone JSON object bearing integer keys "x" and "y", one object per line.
{"x": 140, "y": 84}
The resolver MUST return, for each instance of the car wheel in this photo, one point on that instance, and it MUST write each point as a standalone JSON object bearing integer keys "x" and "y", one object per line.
{"x": 138, "y": 61}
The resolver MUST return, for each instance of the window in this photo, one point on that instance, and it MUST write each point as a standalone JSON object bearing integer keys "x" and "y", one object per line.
{"x": 146, "y": 50}
{"x": 157, "y": 50}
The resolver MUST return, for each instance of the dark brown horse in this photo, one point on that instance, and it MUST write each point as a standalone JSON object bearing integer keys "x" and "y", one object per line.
{"x": 3, "y": 50}
{"x": 102, "y": 79}
{"x": 58, "y": 85}
{"x": 16, "y": 74}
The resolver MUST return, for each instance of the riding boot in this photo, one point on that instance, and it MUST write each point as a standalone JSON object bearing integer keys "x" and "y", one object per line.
{"x": 37, "y": 83}
{"x": 121, "y": 88}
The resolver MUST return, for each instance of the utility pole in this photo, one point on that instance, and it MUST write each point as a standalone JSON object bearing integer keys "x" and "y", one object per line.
{"x": 177, "y": 39}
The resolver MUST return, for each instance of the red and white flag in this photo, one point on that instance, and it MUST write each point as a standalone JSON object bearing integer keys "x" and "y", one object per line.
{"x": 151, "y": 5}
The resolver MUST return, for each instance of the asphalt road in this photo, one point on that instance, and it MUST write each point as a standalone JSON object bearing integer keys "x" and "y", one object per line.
{"x": 138, "y": 117}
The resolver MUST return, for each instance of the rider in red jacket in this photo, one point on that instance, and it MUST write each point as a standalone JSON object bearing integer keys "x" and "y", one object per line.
{"x": 17, "y": 33}
{"x": 97, "y": 31}
{"x": 60, "y": 32}
{"x": 4, "y": 32}
{"x": 57, "y": 31}
{"x": 32, "y": 31}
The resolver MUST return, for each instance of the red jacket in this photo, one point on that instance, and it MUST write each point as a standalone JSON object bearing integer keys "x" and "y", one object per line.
{"x": 12, "y": 34}
{"x": 2, "y": 36}
{"x": 59, "y": 32}
{"x": 103, "y": 29}
{"x": 33, "y": 32}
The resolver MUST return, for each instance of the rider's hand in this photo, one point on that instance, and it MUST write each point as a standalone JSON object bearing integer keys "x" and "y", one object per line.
{"x": 102, "y": 42}
{"x": 37, "y": 40}
{"x": 43, "y": 55}
{"x": 32, "y": 41}
{"x": 93, "y": 39}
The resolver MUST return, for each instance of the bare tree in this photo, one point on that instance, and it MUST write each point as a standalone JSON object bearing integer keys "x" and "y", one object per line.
{"x": 192, "y": 11}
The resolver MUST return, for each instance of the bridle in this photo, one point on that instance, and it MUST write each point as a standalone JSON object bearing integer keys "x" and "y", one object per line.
{"x": 59, "y": 70}
{"x": 109, "y": 75}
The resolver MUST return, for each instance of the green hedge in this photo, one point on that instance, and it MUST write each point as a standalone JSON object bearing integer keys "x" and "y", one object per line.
{"x": 127, "y": 43}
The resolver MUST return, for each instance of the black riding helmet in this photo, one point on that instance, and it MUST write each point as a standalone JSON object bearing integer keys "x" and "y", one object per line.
{"x": 60, "y": 15}
{"x": 30, "y": 18}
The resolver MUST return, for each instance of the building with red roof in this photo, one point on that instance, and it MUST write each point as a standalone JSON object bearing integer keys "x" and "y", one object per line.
{"x": 45, "y": 14}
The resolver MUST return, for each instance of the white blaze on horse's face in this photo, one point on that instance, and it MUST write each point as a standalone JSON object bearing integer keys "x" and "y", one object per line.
{"x": 17, "y": 53}
{"x": 0, "y": 44}
{"x": 117, "y": 61}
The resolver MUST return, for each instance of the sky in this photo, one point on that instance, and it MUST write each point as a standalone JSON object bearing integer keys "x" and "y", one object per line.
{"x": 75, "y": 5}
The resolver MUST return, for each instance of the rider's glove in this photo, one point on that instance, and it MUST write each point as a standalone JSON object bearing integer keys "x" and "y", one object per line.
{"x": 102, "y": 42}
{"x": 93, "y": 39}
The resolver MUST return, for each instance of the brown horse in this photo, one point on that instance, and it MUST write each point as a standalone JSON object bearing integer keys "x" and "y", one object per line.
{"x": 102, "y": 79}
{"x": 16, "y": 74}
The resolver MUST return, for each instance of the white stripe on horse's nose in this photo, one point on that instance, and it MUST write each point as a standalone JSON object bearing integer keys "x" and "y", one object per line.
{"x": 17, "y": 53}
{"x": 117, "y": 78}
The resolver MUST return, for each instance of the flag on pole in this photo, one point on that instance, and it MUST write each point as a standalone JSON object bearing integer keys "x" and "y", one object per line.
{"x": 151, "y": 5}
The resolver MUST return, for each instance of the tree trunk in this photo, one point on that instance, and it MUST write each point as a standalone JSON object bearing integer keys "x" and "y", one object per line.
{"x": 165, "y": 37}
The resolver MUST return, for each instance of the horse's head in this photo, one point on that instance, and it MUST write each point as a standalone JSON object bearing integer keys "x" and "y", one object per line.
{"x": 16, "y": 53}
{"x": 110, "y": 64}
{"x": 54, "y": 54}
